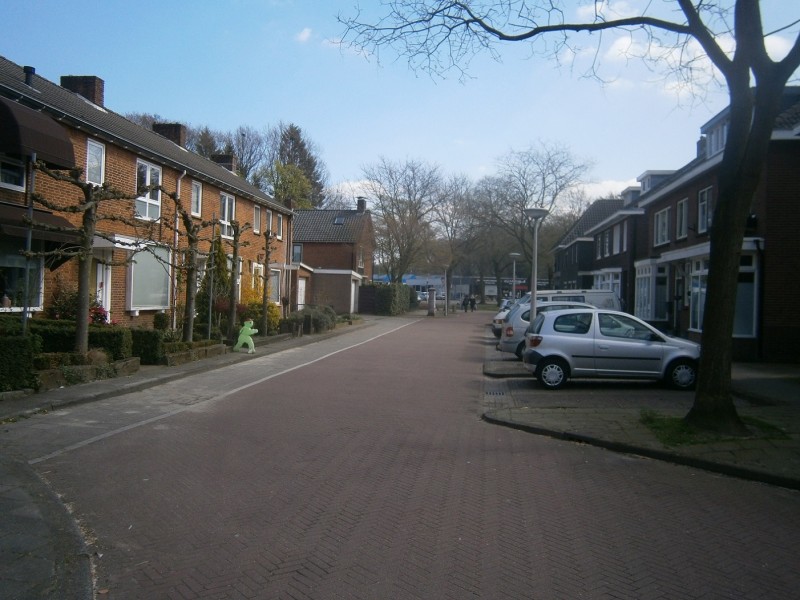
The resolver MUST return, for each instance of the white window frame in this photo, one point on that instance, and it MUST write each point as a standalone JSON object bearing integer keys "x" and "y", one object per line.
{"x": 197, "y": 199}
{"x": 297, "y": 253}
{"x": 697, "y": 297}
{"x": 705, "y": 209}
{"x": 8, "y": 165}
{"x": 275, "y": 286}
{"x": 682, "y": 219}
{"x": 598, "y": 246}
{"x": 10, "y": 259}
{"x": 227, "y": 214}
{"x": 745, "y": 321}
{"x": 97, "y": 149}
{"x": 617, "y": 234}
{"x": 645, "y": 281}
{"x": 152, "y": 199}
{"x": 279, "y": 226}
{"x": 257, "y": 276}
{"x": 256, "y": 218}
{"x": 268, "y": 224}
{"x": 147, "y": 267}
{"x": 661, "y": 227}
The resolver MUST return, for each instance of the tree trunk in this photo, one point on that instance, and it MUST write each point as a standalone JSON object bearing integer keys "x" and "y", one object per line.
{"x": 751, "y": 123}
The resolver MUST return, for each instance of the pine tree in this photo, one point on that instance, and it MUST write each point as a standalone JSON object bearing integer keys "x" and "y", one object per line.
{"x": 294, "y": 150}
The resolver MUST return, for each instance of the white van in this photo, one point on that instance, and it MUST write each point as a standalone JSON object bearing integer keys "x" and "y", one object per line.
{"x": 599, "y": 298}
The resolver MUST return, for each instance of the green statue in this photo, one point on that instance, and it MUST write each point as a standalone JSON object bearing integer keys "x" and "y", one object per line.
{"x": 245, "y": 337}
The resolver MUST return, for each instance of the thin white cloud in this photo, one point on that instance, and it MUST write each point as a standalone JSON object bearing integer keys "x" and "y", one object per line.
{"x": 304, "y": 35}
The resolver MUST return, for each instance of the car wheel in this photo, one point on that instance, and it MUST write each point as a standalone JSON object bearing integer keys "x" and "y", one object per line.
{"x": 520, "y": 349}
{"x": 682, "y": 374}
{"x": 551, "y": 373}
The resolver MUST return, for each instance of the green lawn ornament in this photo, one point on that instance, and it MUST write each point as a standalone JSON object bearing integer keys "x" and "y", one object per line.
{"x": 245, "y": 337}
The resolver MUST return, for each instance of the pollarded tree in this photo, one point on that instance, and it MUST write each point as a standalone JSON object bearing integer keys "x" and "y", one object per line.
{"x": 439, "y": 35}
{"x": 94, "y": 203}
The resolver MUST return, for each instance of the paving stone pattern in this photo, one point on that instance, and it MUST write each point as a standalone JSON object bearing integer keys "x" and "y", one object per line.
{"x": 369, "y": 475}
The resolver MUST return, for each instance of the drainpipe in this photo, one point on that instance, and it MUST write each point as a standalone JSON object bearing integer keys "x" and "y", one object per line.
{"x": 28, "y": 242}
{"x": 175, "y": 260}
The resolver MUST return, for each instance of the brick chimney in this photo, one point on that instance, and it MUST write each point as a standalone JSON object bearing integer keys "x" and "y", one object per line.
{"x": 361, "y": 204}
{"x": 90, "y": 87}
{"x": 226, "y": 160}
{"x": 175, "y": 132}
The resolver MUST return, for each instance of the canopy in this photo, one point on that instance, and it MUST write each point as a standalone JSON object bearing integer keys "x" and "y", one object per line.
{"x": 24, "y": 131}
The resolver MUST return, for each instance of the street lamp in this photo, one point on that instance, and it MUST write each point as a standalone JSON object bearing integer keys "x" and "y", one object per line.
{"x": 535, "y": 215}
{"x": 514, "y": 256}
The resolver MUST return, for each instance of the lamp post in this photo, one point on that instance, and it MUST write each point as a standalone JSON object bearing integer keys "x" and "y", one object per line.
{"x": 535, "y": 215}
{"x": 514, "y": 256}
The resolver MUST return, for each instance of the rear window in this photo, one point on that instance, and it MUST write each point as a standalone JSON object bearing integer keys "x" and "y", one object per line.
{"x": 573, "y": 323}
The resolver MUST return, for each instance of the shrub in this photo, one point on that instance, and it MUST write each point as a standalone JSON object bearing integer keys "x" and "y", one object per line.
{"x": 148, "y": 345}
{"x": 161, "y": 321}
{"x": 16, "y": 362}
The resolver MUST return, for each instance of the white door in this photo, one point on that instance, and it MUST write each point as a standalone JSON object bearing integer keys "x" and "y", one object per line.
{"x": 301, "y": 292}
{"x": 103, "y": 286}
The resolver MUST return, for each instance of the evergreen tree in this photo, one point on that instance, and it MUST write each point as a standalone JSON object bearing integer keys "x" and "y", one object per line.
{"x": 294, "y": 150}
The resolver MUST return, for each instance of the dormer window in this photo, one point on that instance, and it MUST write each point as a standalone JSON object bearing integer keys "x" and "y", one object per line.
{"x": 716, "y": 139}
{"x": 338, "y": 221}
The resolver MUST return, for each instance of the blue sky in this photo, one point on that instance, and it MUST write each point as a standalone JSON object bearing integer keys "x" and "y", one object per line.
{"x": 226, "y": 63}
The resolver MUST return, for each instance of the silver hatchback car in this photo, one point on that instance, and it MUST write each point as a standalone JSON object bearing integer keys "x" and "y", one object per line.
{"x": 516, "y": 322}
{"x": 605, "y": 344}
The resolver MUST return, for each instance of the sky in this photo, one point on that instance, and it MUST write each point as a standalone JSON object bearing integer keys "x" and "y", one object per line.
{"x": 231, "y": 63}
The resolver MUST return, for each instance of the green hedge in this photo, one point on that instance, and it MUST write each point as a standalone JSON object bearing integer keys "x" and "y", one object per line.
{"x": 148, "y": 345}
{"x": 16, "y": 362}
{"x": 58, "y": 335}
{"x": 392, "y": 299}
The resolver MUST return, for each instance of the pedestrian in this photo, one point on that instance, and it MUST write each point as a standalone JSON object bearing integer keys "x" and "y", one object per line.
{"x": 465, "y": 303}
{"x": 472, "y": 303}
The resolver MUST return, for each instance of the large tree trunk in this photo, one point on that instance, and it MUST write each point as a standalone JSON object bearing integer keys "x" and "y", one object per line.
{"x": 752, "y": 119}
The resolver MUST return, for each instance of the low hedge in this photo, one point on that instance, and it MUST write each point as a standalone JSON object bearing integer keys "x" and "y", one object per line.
{"x": 16, "y": 361}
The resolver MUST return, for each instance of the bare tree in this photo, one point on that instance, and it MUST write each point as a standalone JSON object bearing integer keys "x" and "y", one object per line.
{"x": 403, "y": 196}
{"x": 439, "y": 35}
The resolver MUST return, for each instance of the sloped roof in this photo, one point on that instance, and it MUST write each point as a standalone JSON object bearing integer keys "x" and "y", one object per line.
{"x": 329, "y": 226}
{"x": 598, "y": 211}
{"x": 74, "y": 110}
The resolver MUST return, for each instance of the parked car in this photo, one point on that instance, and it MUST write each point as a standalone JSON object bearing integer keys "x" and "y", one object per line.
{"x": 497, "y": 320}
{"x": 422, "y": 297}
{"x": 517, "y": 321}
{"x": 599, "y": 298}
{"x": 575, "y": 343}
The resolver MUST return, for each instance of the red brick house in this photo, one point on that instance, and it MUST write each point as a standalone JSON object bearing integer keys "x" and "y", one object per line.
{"x": 337, "y": 247}
{"x": 663, "y": 267}
{"x": 46, "y": 120}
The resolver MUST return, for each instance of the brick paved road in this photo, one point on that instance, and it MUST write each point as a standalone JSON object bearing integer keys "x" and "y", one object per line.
{"x": 367, "y": 474}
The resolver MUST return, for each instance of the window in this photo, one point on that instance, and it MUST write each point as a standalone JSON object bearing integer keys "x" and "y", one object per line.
{"x": 662, "y": 227}
{"x": 744, "y": 319}
{"x": 12, "y": 277}
{"x": 256, "y": 219}
{"x": 95, "y": 162}
{"x": 12, "y": 174}
{"x": 148, "y": 205}
{"x": 625, "y": 236}
{"x": 268, "y": 224}
{"x": 697, "y": 297}
{"x": 682, "y": 219}
{"x": 704, "y": 210}
{"x": 148, "y": 277}
{"x": 227, "y": 213}
{"x": 257, "y": 272}
{"x": 279, "y": 226}
{"x": 275, "y": 287}
{"x": 598, "y": 246}
{"x": 297, "y": 253}
{"x": 197, "y": 198}
{"x": 617, "y": 231}
{"x": 644, "y": 307}
{"x": 606, "y": 243}
{"x": 360, "y": 264}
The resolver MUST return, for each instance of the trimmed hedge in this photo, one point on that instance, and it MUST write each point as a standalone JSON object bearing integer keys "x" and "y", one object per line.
{"x": 16, "y": 362}
{"x": 58, "y": 335}
{"x": 392, "y": 299}
{"x": 148, "y": 345}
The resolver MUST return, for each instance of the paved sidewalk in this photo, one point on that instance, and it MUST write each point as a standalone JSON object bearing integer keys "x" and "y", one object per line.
{"x": 767, "y": 392}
